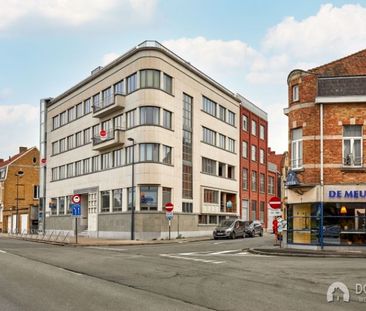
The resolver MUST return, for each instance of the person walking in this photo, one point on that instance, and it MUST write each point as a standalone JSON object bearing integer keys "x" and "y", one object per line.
{"x": 275, "y": 229}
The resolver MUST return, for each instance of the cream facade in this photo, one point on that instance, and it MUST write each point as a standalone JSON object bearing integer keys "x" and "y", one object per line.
{"x": 182, "y": 128}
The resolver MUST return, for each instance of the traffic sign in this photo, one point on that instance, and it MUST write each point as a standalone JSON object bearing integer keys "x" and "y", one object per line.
{"x": 43, "y": 161}
{"x": 76, "y": 210}
{"x": 275, "y": 202}
{"x": 169, "y": 215}
{"x": 76, "y": 199}
{"x": 169, "y": 207}
{"x": 103, "y": 134}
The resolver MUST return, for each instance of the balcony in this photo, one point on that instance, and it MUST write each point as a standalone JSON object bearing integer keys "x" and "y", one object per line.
{"x": 108, "y": 105}
{"x": 114, "y": 138}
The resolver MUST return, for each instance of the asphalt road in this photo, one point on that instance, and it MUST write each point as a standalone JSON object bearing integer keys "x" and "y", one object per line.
{"x": 206, "y": 275}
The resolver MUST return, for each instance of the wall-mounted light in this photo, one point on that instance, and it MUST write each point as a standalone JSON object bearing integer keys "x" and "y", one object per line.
{"x": 343, "y": 210}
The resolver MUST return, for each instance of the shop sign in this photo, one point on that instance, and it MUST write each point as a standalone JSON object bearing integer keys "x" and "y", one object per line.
{"x": 347, "y": 194}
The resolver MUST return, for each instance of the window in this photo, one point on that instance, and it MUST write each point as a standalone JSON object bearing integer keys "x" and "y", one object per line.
{"x": 231, "y": 145}
{"x": 261, "y": 132}
{"x": 231, "y": 118}
{"x": 117, "y": 200}
{"x": 149, "y": 115}
{"x": 261, "y": 212}
{"x": 130, "y": 118}
{"x": 129, "y": 195}
{"x": 254, "y": 210}
{"x": 86, "y": 166}
{"x": 56, "y": 122}
{"x": 261, "y": 183}
{"x": 107, "y": 125}
{"x": 202, "y": 219}
{"x": 230, "y": 172}
{"x": 117, "y": 158}
{"x": 187, "y": 207}
{"x": 55, "y": 147}
{"x": 131, "y": 83}
{"x": 78, "y": 139}
{"x": 209, "y": 136}
{"x": 36, "y": 192}
{"x": 167, "y": 119}
{"x": 245, "y": 179}
{"x": 212, "y": 219}
{"x": 119, "y": 87}
{"x": 95, "y": 164}
{"x": 79, "y": 110}
{"x": 107, "y": 97}
{"x": 105, "y": 201}
{"x": 96, "y": 102}
{"x": 129, "y": 154}
{"x": 70, "y": 170}
{"x": 222, "y": 169}
{"x": 254, "y": 128}
{"x": 244, "y": 147}
{"x": 53, "y": 206}
{"x": 149, "y": 152}
{"x": 209, "y": 166}
{"x": 55, "y": 173}
{"x": 63, "y": 118}
{"x": 261, "y": 156}
{"x": 352, "y": 145}
{"x": 63, "y": 145}
{"x": 148, "y": 198}
{"x": 254, "y": 153}
{"x": 295, "y": 93}
{"x": 167, "y": 155}
{"x": 244, "y": 122}
{"x": 106, "y": 161}
{"x": 150, "y": 78}
{"x": 271, "y": 185}
{"x": 296, "y": 148}
{"x": 96, "y": 129}
{"x": 187, "y": 180}
{"x": 78, "y": 171}
{"x": 87, "y": 106}
{"x": 167, "y": 196}
{"x": 70, "y": 142}
{"x": 210, "y": 196}
{"x": 86, "y": 135}
{"x": 117, "y": 122}
{"x": 167, "y": 83}
{"x": 209, "y": 106}
{"x": 222, "y": 141}
{"x": 72, "y": 114}
{"x": 68, "y": 204}
{"x": 254, "y": 181}
{"x": 62, "y": 171}
{"x": 61, "y": 205}
{"x": 222, "y": 113}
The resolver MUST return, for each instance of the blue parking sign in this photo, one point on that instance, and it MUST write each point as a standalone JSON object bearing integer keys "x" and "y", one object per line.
{"x": 76, "y": 210}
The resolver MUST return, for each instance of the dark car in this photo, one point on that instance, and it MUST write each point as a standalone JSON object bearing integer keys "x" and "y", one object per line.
{"x": 254, "y": 228}
{"x": 230, "y": 228}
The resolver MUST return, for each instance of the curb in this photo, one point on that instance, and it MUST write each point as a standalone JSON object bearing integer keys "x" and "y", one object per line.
{"x": 303, "y": 254}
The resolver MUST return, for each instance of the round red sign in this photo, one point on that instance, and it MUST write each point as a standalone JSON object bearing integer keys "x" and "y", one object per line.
{"x": 103, "y": 133}
{"x": 76, "y": 199}
{"x": 275, "y": 202}
{"x": 43, "y": 161}
{"x": 169, "y": 207}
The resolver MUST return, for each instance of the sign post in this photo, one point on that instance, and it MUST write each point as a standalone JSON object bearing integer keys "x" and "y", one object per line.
{"x": 169, "y": 214}
{"x": 76, "y": 212}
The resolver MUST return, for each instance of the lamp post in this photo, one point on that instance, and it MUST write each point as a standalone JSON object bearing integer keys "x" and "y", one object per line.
{"x": 18, "y": 174}
{"x": 133, "y": 190}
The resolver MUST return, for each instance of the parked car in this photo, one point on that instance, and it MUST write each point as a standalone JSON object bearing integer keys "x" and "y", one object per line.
{"x": 230, "y": 228}
{"x": 254, "y": 228}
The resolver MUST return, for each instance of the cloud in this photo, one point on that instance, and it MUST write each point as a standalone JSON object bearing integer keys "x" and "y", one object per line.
{"x": 71, "y": 12}
{"x": 5, "y": 93}
{"x": 12, "y": 114}
{"x": 109, "y": 57}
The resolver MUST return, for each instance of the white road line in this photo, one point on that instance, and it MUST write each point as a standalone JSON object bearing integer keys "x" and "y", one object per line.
{"x": 191, "y": 259}
{"x": 108, "y": 248}
{"x": 217, "y": 243}
{"x": 3, "y": 252}
{"x": 226, "y": 252}
{"x": 62, "y": 269}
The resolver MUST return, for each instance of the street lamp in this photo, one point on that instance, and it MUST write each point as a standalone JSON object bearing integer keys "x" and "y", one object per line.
{"x": 18, "y": 174}
{"x": 133, "y": 190}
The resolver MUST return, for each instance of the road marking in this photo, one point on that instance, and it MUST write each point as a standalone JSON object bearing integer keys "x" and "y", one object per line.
{"x": 3, "y": 252}
{"x": 66, "y": 270}
{"x": 226, "y": 252}
{"x": 217, "y": 243}
{"x": 191, "y": 259}
{"x": 108, "y": 248}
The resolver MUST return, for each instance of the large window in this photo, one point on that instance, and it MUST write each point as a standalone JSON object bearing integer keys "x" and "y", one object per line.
{"x": 231, "y": 145}
{"x": 208, "y": 166}
{"x": 244, "y": 146}
{"x": 245, "y": 179}
{"x": 55, "y": 147}
{"x": 150, "y": 78}
{"x": 117, "y": 200}
{"x": 271, "y": 185}
{"x": 119, "y": 87}
{"x": 222, "y": 113}
{"x": 95, "y": 164}
{"x": 254, "y": 153}
{"x": 209, "y": 136}
{"x": 261, "y": 156}
{"x": 209, "y": 106}
{"x": 149, "y": 115}
{"x": 86, "y": 135}
{"x": 79, "y": 110}
{"x": 132, "y": 83}
{"x": 231, "y": 117}
{"x": 296, "y": 148}
{"x": 86, "y": 166}
{"x": 70, "y": 170}
{"x": 261, "y": 132}
{"x": 107, "y": 97}
{"x": 78, "y": 139}
{"x": 167, "y": 119}
{"x": 63, "y": 118}
{"x": 131, "y": 118}
{"x": 61, "y": 205}
{"x": 254, "y": 181}
{"x": 254, "y": 128}
{"x": 148, "y": 198}
{"x": 261, "y": 183}
{"x": 129, "y": 154}
{"x": 72, "y": 114}
{"x": 117, "y": 157}
{"x": 352, "y": 145}
{"x": 87, "y": 106}
{"x": 105, "y": 201}
{"x": 210, "y": 196}
{"x": 78, "y": 170}
{"x": 167, "y": 155}
{"x": 149, "y": 152}
{"x": 56, "y": 122}
{"x": 106, "y": 161}
{"x": 244, "y": 125}
{"x": 167, "y": 83}
{"x": 222, "y": 141}
{"x": 187, "y": 182}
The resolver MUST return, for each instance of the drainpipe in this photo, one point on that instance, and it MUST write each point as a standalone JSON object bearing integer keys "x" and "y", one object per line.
{"x": 321, "y": 177}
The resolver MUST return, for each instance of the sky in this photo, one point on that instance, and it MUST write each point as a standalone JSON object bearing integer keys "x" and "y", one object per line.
{"x": 47, "y": 46}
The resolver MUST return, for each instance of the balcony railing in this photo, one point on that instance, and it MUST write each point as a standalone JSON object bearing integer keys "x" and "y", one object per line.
{"x": 115, "y": 137}
{"x": 108, "y": 105}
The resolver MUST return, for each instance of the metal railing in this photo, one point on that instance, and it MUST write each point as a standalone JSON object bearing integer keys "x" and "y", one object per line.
{"x": 34, "y": 235}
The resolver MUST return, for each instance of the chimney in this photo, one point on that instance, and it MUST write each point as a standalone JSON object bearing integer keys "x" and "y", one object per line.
{"x": 1, "y": 160}
{"x": 22, "y": 149}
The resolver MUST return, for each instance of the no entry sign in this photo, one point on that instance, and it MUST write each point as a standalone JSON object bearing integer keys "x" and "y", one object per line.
{"x": 169, "y": 207}
{"x": 275, "y": 202}
{"x": 76, "y": 199}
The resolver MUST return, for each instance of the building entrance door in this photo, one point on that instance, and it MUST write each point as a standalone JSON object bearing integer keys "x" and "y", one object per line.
{"x": 92, "y": 211}
{"x": 84, "y": 212}
{"x": 245, "y": 210}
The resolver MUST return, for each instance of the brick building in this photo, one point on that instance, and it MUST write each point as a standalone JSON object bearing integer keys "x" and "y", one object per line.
{"x": 19, "y": 191}
{"x": 326, "y": 184}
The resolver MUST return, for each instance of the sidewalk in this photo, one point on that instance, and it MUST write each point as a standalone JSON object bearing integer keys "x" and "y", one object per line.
{"x": 291, "y": 252}
{"x": 85, "y": 241}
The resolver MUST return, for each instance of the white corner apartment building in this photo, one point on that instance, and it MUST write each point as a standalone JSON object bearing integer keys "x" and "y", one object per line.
{"x": 148, "y": 121}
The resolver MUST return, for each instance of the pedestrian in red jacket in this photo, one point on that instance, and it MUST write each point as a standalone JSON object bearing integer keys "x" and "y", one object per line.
{"x": 275, "y": 229}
